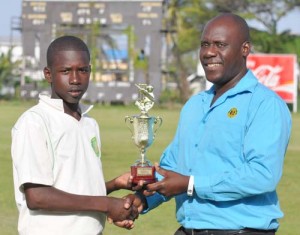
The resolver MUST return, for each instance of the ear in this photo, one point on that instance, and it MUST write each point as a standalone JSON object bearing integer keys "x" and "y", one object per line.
{"x": 246, "y": 48}
{"x": 47, "y": 74}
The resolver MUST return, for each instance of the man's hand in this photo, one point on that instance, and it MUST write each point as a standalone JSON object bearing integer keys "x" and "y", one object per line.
{"x": 131, "y": 200}
{"x": 121, "y": 209}
{"x": 136, "y": 201}
{"x": 172, "y": 184}
{"x": 127, "y": 224}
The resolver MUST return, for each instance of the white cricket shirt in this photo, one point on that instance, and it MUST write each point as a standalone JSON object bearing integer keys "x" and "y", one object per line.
{"x": 50, "y": 147}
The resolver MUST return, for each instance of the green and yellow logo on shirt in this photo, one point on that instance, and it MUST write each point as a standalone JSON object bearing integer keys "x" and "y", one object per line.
{"x": 232, "y": 113}
{"x": 95, "y": 146}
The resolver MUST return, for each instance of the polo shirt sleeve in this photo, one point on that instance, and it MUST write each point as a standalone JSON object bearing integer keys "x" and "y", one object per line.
{"x": 266, "y": 138}
{"x": 31, "y": 157}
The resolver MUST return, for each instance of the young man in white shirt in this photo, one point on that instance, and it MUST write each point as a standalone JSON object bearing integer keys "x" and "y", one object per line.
{"x": 58, "y": 178}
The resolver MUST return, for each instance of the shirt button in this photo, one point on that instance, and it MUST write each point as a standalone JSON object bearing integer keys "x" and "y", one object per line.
{"x": 190, "y": 170}
{"x": 196, "y": 145}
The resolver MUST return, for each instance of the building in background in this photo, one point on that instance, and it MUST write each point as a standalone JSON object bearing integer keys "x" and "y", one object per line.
{"x": 123, "y": 36}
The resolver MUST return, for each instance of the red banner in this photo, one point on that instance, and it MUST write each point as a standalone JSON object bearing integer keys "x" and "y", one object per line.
{"x": 278, "y": 72}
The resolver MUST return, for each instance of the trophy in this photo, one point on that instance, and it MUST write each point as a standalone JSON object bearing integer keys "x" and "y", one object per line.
{"x": 143, "y": 129}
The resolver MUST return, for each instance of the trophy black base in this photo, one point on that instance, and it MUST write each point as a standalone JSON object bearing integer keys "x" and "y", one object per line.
{"x": 144, "y": 173}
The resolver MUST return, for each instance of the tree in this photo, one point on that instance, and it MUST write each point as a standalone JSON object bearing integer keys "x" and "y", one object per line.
{"x": 267, "y": 13}
{"x": 137, "y": 57}
{"x": 8, "y": 69}
{"x": 183, "y": 23}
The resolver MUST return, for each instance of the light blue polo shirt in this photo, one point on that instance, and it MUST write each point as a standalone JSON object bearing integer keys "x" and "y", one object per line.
{"x": 235, "y": 150}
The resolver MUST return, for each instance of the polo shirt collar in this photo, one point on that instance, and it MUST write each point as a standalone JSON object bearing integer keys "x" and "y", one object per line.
{"x": 246, "y": 84}
{"x": 58, "y": 104}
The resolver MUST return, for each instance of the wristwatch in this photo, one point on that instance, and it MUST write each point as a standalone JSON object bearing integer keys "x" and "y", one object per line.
{"x": 190, "y": 189}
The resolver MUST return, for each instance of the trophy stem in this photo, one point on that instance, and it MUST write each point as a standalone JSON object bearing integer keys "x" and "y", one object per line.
{"x": 143, "y": 157}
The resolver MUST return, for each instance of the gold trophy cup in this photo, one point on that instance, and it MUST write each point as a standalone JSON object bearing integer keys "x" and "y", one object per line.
{"x": 143, "y": 129}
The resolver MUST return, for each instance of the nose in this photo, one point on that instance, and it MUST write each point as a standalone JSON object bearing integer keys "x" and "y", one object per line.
{"x": 208, "y": 51}
{"x": 74, "y": 78}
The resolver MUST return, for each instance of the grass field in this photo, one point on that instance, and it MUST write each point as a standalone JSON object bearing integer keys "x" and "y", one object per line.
{"x": 119, "y": 152}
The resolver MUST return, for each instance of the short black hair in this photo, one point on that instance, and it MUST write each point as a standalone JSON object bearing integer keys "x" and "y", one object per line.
{"x": 65, "y": 43}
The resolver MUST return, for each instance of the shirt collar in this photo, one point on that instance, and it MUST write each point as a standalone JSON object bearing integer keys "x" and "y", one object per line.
{"x": 247, "y": 83}
{"x": 58, "y": 104}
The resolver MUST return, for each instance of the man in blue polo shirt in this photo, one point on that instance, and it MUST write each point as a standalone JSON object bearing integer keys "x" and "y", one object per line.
{"x": 226, "y": 159}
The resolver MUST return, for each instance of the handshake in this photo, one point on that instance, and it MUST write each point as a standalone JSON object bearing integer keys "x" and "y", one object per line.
{"x": 123, "y": 211}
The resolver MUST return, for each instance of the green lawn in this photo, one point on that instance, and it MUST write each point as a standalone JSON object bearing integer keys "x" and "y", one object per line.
{"x": 119, "y": 152}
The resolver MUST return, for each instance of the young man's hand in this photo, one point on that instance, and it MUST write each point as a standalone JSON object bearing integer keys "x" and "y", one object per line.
{"x": 123, "y": 182}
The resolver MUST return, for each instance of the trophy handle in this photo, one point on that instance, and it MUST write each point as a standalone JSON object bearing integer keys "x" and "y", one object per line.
{"x": 158, "y": 123}
{"x": 129, "y": 121}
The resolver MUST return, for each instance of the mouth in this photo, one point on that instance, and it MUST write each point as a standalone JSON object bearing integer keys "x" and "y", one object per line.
{"x": 75, "y": 92}
{"x": 213, "y": 65}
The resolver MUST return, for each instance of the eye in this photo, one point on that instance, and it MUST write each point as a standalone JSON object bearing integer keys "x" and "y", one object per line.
{"x": 64, "y": 71}
{"x": 221, "y": 44}
{"x": 205, "y": 44}
{"x": 84, "y": 70}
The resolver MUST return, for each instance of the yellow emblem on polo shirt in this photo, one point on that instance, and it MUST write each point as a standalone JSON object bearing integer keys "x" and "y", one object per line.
{"x": 232, "y": 113}
{"x": 95, "y": 146}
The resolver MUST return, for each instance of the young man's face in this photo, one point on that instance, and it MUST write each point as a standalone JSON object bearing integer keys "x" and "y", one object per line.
{"x": 69, "y": 75}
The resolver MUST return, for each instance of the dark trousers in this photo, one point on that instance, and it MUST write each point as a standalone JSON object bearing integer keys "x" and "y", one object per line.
{"x": 184, "y": 231}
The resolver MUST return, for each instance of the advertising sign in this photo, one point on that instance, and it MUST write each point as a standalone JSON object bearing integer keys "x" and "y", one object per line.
{"x": 278, "y": 72}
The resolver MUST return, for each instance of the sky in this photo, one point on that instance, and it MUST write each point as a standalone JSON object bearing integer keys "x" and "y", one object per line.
{"x": 14, "y": 8}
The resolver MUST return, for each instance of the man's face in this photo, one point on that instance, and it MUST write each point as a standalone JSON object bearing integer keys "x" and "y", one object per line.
{"x": 221, "y": 52}
{"x": 69, "y": 75}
